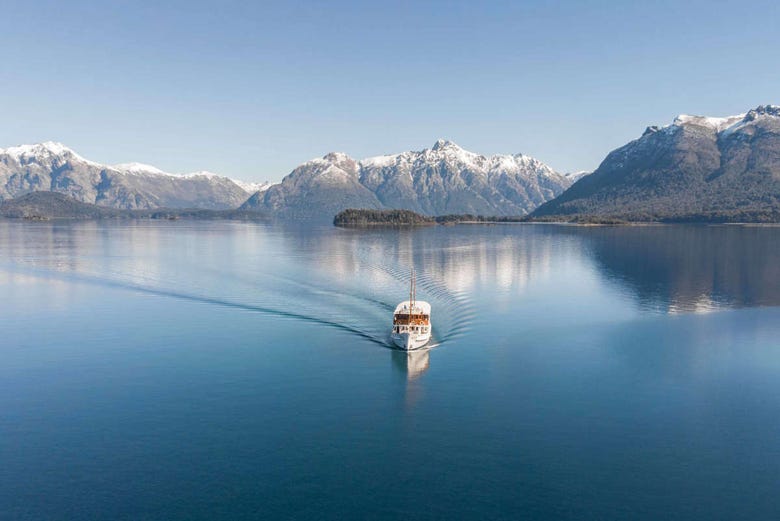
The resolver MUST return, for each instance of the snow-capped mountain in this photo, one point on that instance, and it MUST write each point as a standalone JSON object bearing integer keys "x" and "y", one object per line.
{"x": 319, "y": 188}
{"x": 696, "y": 168}
{"x": 54, "y": 167}
{"x": 439, "y": 180}
{"x": 249, "y": 187}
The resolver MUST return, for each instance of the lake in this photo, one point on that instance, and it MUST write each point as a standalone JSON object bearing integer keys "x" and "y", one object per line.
{"x": 225, "y": 370}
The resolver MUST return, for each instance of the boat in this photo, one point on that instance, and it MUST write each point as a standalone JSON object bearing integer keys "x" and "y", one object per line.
{"x": 412, "y": 321}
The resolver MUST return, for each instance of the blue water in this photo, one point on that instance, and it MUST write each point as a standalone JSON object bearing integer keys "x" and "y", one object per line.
{"x": 188, "y": 370}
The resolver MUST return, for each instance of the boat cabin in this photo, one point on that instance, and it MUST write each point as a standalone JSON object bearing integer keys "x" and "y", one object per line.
{"x": 415, "y": 320}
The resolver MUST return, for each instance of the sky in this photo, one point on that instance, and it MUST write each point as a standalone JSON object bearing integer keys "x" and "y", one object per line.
{"x": 252, "y": 89}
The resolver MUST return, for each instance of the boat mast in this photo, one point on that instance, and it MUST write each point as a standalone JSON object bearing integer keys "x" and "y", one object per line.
{"x": 411, "y": 297}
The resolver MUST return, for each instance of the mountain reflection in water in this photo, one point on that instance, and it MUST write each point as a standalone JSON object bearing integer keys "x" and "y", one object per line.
{"x": 690, "y": 268}
{"x": 666, "y": 268}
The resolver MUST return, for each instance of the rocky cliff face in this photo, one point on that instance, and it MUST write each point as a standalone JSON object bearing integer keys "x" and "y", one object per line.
{"x": 54, "y": 167}
{"x": 439, "y": 180}
{"x": 697, "y": 168}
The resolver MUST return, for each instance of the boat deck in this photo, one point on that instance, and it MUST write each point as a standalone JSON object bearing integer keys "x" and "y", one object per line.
{"x": 420, "y": 308}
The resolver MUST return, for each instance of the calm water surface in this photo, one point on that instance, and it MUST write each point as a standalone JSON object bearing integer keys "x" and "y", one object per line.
{"x": 228, "y": 370}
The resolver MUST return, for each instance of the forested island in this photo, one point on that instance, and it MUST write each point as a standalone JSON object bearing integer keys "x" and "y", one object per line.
{"x": 359, "y": 217}
{"x": 368, "y": 217}
{"x": 371, "y": 217}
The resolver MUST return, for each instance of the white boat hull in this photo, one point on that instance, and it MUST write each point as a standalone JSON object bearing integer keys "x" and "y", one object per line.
{"x": 409, "y": 341}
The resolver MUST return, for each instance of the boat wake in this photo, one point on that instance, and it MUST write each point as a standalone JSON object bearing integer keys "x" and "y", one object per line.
{"x": 350, "y": 283}
{"x": 360, "y": 304}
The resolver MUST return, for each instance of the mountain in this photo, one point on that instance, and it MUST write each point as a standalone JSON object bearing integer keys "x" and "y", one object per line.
{"x": 317, "y": 188}
{"x": 443, "y": 179}
{"x": 54, "y": 167}
{"x": 697, "y": 168}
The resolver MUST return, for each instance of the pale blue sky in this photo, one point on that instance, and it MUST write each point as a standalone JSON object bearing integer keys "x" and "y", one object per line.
{"x": 251, "y": 90}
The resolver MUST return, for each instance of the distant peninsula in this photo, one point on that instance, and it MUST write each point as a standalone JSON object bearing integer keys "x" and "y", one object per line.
{"x": 366, "y": 217}
{"x": 50, "y": 206}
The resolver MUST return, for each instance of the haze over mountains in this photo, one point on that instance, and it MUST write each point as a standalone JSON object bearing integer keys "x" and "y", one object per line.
{"x": 697, "y": 168}
{"x": 443, "y": 179}
{"x": 54, "y": 167}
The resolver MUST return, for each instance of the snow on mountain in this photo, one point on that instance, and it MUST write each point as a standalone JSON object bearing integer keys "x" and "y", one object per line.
{"x": 317, "y": 189}
{"x": 45, "y": 150}
{"x": 576, "y": 176}
{"x": 449, "y": 153}
{"x": 38, "y": 149}
{"x": 204, "y": 174}
{"x": 698, "y": 168}
{"x": 143, "y": 169}
{"x": 716, "y": 124}
{"x": 52, "y": 166}
{"x": 727, "y": 124}
{"x": 441, "y": 179}
{"x": 762, "y": 112}
{"x": 138, "y": 168}
{"x": 252, "y": 187}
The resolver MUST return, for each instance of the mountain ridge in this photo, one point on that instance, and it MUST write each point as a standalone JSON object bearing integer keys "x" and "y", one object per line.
{"x": 696, "y": 168}
{"x": 442, "y": 179}
{"x": 52, "y": 166}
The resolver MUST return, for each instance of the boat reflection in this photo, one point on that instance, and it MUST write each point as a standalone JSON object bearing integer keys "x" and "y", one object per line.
{"x": 411, "y": 363}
